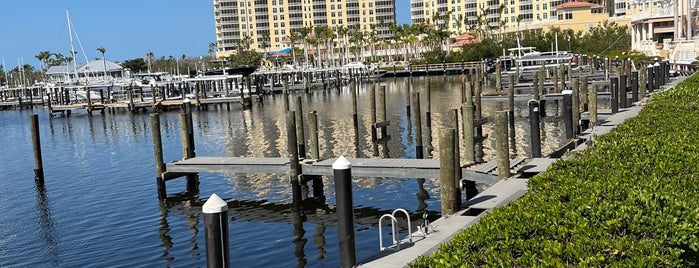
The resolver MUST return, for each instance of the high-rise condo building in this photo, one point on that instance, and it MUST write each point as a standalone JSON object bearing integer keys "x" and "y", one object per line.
{"x": 265, "y": 25}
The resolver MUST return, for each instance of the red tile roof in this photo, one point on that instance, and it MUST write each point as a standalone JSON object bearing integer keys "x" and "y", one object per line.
{"x": 574, "y": 4}
{"x": 465, "y": 37}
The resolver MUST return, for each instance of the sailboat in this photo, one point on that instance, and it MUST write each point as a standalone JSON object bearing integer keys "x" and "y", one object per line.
{"x": 83, "y": 88}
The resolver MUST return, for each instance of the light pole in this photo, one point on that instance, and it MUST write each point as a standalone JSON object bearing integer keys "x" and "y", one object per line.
{"x": 569, "y": 43}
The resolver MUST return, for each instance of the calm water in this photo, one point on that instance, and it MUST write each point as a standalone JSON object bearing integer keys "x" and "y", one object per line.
{"x": 100, "y": 207}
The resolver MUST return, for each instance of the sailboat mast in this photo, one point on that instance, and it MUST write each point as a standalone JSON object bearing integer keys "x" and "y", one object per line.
{"x": 4, "y": 69}
{"x": 72, "y": 48}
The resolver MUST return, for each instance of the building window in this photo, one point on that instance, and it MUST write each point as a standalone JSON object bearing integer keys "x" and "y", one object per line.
{"x": 569, "y": 15}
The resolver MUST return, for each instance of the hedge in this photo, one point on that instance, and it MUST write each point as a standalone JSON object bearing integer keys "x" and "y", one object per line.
{"x": 632, "y": 199}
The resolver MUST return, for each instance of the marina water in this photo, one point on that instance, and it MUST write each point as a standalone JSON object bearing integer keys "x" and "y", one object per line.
{"x": 100, "y": 208}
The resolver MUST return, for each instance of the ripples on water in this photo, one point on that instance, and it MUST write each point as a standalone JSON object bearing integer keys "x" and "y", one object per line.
{"x": 99, "y": 206}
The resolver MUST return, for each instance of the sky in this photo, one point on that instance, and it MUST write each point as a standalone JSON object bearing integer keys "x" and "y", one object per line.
{"x": 127, "y": 29}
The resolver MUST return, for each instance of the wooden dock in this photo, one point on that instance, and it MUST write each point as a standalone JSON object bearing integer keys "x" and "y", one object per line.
{"x": 361, "y": 167}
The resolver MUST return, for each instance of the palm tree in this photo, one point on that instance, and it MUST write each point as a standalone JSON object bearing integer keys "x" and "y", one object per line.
{"x": 357, "y": 41}
{"x": 293, "y": 38}
{"x": 303, "y": 33}
{"x": 372, "y": 39}
{"x": 212, "y": 49}
{"x": 104, "y": 61}
{"x": 149, "y": 56}
{"x": 341, "y": 32}
{"x": 43, "y": 58}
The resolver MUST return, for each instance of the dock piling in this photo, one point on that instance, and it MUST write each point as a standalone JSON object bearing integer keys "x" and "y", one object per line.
{"x": 300, "y": 136}
{"x": 614, "y": 101}
{"x": 447, "y": 172}
{"x": 36, "y": 145}
{"x": 158, "y": 153}
{"x": 342, "y": 173}
{"x": 592, "y": 95}
{"x": 501, "y": 146}
{"x": 215, "y": 212}
{"x": 568, "y": 113}
{"x": 534, "y": 129}
{"x": 418, "y": 126}
{"x": 292, "y": 152}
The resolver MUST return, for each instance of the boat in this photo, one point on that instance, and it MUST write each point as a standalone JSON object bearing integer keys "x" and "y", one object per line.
{"x": 362, "y": 69}
{"x": 527, "y": 59}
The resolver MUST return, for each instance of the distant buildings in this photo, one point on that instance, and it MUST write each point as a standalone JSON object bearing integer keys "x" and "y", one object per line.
{"x": 63, "y": 74}
{"x": 266, "y": 25}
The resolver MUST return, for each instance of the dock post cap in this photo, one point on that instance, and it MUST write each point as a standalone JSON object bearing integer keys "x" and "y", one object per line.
{"x": 656, "y": 64}
{"x": 214, "y": 205}
{"x": 186, "y": 100}
{"x": 567, "y": 92}
{"x": 650, "y": 65}
{"x": 532, "y": 101}
{"x": 342, "y": 163}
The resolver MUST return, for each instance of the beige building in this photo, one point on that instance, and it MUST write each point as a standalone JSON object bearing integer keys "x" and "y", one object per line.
{"x": 461, "y": 16}
{"x": 266, "y": 24}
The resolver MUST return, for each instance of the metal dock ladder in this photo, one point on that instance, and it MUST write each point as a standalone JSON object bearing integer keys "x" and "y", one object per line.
{"x": 422, "y": 230}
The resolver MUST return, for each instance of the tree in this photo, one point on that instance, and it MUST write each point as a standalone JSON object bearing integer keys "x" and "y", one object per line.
{"x": 212, "y": 49}
{"x": 245, "y": 58}
{"x": 149, "y": 56}
{"x": 135, "y": 65}
{"x": 43, "y": 58}
{"x": 104, "y": 61}
{"x": 303, "y": 34}
{"x": 341, "y": 32}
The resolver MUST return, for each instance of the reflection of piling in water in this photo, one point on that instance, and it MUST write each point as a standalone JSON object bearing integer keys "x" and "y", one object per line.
{"x": 298, "y": 217}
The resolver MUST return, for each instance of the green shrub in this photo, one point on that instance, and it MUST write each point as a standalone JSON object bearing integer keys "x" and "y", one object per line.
{"x": 631, "y": 200}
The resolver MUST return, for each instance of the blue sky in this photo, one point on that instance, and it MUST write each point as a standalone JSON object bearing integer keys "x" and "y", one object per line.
{"x": 127, "y": 29}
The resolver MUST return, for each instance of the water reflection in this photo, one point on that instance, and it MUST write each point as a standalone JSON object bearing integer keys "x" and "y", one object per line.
{"x": 47, "y": 228}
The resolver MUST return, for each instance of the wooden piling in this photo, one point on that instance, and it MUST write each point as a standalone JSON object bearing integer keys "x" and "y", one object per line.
{"x": 501, "y": 146}
{"x": 568, "y": 114}
{"x": 511, "y": 113}
{"x": 372, "y": 115}
{"x": 592, "y": 94}
{"x": 614, "y": 101}
{"x": 418, "y": 126}
{"x": 293, "y": 154}
{"x": 158, "y": 153}
{"x": 300, "y": 137}
{"x": 576, "y": 105}
{"x": 534, "y": 129}
{"x": 469, "y": 143}
{"x": 447, "y": 176}
{"x": 36, "y": 146}
{"x": 313, "y": 131}
{"x": 454, "y": 116}
{"x": 428, "y": 116}
{"x": 184, "y": 127}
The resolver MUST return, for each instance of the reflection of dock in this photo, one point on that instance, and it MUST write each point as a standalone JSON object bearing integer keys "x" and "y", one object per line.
{"x": 361, "y": 167}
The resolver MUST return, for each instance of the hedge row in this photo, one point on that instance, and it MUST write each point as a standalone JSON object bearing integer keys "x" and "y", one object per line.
{"x": 630, "y": 200}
